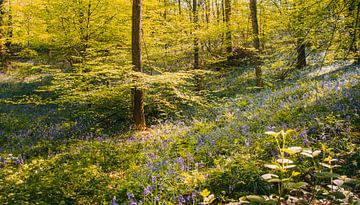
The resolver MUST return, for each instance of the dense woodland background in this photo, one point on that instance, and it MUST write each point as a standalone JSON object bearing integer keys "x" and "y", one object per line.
{"x": 179, "y": 101}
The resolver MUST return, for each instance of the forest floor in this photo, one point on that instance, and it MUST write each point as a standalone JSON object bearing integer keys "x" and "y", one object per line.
{"x": 65, "y": 138}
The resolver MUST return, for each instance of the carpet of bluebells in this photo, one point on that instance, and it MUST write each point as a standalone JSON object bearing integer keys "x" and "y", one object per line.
{"x": 216, "y": 156}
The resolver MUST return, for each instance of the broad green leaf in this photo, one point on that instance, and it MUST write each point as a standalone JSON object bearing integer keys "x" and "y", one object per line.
{"x": 329, "y": 166}
{"x": 269, "y": 176}
{"x": 289, "y": 166}
{"x": 326, "y": 165}
{"x": 338, "y": 195}
{"x": 270, "y": 202}
{"x": 255, "y": 198}
{"x": 271, "y": 166}
{"x": 293, "y": 185}
{"x": 287, "y": 161}
{"x": 316, "y": 153}
{"x": 274, "y": 134}
{"x": 307, "y": 154}
{"x": 288, "y": 132}
{"x": 292, "y": 150}
{"x": 326, "y": 175}
{"x": 274, "y": 180}
{"x": 278, "y": 180}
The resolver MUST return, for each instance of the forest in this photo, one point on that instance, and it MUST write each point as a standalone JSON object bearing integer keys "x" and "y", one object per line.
{"x": 186, "y": 102}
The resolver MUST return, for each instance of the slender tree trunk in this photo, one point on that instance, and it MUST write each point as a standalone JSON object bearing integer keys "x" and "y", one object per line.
{"x": 10, "y": 26}
{"x": 196, "y": 40}
{"x": 228, "y": 26}
{"x": 138, "y": 98}
{"x": 207, "y": 11}
{"x": 218, "y": 10}
{"x": 300, "y": 44}
{"x": 255, "y": 25}
{"x": 301, "y": 53}
{"x": 179, "y": 4}
{"x": 165, "y": 9}
{"x": 2, "y": 36}
{"x": 353, "y": 46}
{"x": 255, "y": 29}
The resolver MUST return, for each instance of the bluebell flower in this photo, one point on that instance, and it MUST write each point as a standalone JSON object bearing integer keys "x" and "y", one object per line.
{"x": 181, "y": 199}
{"x": 130, "y": 195}
{"x": 114, "y": 201}
{"x": 147, "y": 190}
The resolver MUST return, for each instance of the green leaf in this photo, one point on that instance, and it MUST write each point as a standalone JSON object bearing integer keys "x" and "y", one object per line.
{"x": 270, "y": 202}
{"x": 269, "y": 176}
{"x": 255, "y": 198}
{"x": 288, "y": 132}
{"x": 338, "y": 195}
{"x": 316, "y": 153}
{"x": 271, "y": 133}
{"x": 326, "y": 175}
{"x": 273, "y": 180}
{"x": 286, "y": 161}
{"x": 293, "y": 185}
{"x": 307, "y": 154}
{"x": 289, "y": 166}
{"x": 271, "y": 166}
{"x": 292, "y": 150}
{"x": 326, "y": 165}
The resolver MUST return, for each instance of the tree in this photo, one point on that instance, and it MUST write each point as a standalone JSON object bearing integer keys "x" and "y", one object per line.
{"x": 196, "y": 40}
{"x": 300, "y": 36}
{"x": 2, "y": 35}
{"x": 255, "y": 25}
{"x": 228, "y": 23}
{"x": 138, "y": 96}
{"x": 255, "y": 28}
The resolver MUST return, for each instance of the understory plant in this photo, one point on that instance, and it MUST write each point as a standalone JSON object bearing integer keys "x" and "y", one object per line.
{"x": 323, "y": 184}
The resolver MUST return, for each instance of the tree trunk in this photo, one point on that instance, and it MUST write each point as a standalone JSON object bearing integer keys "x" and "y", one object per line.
{"x": 301, "y": 54}
{"x": 138, "y": 98}
{"x": 228, "y": 29}
{"x": 255, "y": 28}
{"x": 10, "y": 30}
{"x": 299, "y": 35}
{"x": 255, "y": 25}
{"x": 179, "y": 4}
{"x": 196, "y": 40}
{"x": 2, "y": 36}
{"x": 207, "y": 11}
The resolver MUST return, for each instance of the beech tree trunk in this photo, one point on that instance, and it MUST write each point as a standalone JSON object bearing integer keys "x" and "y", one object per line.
{"x": 255, "y": 28}
{"x": 255, "y": 24}
{"x": 228, "y": 29}
{"x": 196, "y": 40}
{"x": 300, "y": 40}
{"x": 2, "y": 49}
{"x": 138, "y": 98}
{"x": 301, "y": 53}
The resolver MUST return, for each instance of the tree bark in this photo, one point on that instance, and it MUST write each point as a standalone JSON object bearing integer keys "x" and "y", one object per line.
{"x": 196, "y": 40}
{"x": 2, "y": 49}
{"x": 228, "y": 25}
{"x": 138, "y": 98}
{"x": 179, "y": 4}
{"x": 299, "y": 35}
{"x": 255, "y": 24}
{"x": 301, "y": 54}
{"x": 256, "y": 41}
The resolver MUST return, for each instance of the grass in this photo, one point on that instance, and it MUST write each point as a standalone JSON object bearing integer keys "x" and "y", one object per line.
{"x": 65, "y": 140}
